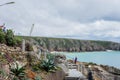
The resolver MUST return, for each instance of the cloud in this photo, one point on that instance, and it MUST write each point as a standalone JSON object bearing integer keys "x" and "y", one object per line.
{"x": 81, "y": 19}
{"x": 88, "y": 11}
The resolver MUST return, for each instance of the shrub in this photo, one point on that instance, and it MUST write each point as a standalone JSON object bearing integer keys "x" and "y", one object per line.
{"x": 2, "y": 36}
{"x": 18, "y": 41}
{"x": 91, "y": 63}
{"x": 10, "y": 40}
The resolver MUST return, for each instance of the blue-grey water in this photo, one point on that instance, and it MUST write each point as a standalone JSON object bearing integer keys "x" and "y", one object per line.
{"x": 111, "y": 58}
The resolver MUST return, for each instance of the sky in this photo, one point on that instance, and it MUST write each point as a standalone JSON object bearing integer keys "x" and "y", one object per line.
{"x": 77, "y": 19}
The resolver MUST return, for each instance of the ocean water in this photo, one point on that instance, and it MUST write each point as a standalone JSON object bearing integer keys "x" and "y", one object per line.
{"x": 111, "y": 58}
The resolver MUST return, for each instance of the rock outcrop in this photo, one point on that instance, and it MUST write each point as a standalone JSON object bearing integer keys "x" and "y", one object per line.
{"x": 7, "y": 49}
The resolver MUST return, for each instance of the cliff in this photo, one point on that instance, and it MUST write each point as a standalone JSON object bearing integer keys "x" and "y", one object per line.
{"x": 73, "y": 45}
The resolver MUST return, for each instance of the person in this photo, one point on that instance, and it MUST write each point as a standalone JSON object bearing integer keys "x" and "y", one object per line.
{"x": 75, "y": 60}
{"x": 90, "y": 77}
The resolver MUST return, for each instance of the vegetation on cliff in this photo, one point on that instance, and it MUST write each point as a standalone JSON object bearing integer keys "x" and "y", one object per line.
{"x": 73, "y": 45}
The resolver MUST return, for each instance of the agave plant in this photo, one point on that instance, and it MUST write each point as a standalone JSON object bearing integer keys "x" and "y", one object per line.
{"x": 50, "y": 57}
{"x": 17, "y": 71}
{"x": 48, "y": 65}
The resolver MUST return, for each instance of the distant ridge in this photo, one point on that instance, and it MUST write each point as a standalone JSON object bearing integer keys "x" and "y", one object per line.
{"x": 73, "y": 45}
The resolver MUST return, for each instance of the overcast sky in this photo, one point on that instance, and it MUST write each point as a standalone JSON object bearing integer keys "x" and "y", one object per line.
{"x": 79, "y": 19}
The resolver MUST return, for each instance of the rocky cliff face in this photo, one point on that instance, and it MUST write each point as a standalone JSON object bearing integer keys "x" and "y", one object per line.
{"x": 72, "y": 45}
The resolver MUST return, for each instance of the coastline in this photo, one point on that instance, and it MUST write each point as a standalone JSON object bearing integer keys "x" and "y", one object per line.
{"x": 98, "y": 71}
{"x": 82, "y": 51}
{"x": 99, "y": 57}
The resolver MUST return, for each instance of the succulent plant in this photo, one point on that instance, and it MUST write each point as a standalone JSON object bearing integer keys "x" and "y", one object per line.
{"x": 17, "y": 70}
{"x": 48, "y": 65}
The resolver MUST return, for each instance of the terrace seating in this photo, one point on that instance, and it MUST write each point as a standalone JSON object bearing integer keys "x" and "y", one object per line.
{"x": 71, "y": 70}
{"x": 74, "y": 73}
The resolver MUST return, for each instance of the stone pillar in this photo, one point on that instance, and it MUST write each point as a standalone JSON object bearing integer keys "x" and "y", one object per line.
{"x": 23, "y": 45}
{"x": 45, "y": 55}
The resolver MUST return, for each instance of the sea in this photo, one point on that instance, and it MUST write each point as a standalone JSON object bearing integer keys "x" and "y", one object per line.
{"x": 110, "y": 58}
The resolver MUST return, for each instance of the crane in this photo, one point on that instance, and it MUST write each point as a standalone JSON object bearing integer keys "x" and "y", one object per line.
{"x": 31, "y": 30}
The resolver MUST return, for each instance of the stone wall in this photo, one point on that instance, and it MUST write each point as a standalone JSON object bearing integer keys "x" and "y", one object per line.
{"x": 8, "y": 49}
{"x": 58, "y": 75}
